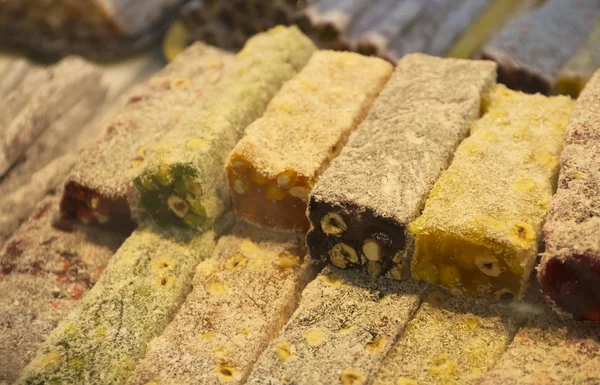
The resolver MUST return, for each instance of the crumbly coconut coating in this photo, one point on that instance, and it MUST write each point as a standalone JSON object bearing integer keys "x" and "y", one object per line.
{"x": 107, "y": 332}
{"x": 579, "y": 70}
{"x": 532, "y": 49}
{"x": 424, "y": 112}
{"x": 44, "y": 272}
{"x": 109, "y": 165}
{"x": 492, "y": 200}
{"x": 550, "y": 350}
{"x": 65, "y": 84}
{"x": 450, "y": 340}
{"x": 187, "y": 165}
{"x": 242, "y": 297}
{"x": 569, "y": 270}
{"x": 341, "y": 332}
{"x": 274, "y": 166}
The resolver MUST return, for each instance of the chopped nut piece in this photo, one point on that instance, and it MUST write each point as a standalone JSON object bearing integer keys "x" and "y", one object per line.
{"x": 372, "y": 250}
{"x": 352, "y": 377}
{"x": 489, "y": 265}
{"x": 376, "y": 345}
{"x": 341, "y": 253}
{"x": 333, "y": 224}
{"x": 178, "y": 206}
{"x": 284, "y": 350}
{"x": 315, "y": 337}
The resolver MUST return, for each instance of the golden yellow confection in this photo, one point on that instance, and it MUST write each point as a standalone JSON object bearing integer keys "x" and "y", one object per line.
{"x": 481, "y": 225}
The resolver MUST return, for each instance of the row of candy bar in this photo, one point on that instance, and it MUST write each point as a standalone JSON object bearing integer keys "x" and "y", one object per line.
{"x": 42, "y": 107}
{"x": 180, "y": 179}
{"x": 532, "y": 50}
{"x": 98, "y": 28}
{"x": 570, "y": 268}
{"x": 386, "y": 28}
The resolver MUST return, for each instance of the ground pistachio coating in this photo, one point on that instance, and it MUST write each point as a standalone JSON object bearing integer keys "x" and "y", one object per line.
{"x": 481, "y": 225}
{"x": 106, "y": 334}
{"x": 183, "y": 182}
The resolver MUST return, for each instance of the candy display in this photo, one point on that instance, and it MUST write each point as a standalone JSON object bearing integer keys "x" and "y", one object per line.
{"x": 273, "y": 167}
{"x": 361, "y": 206}
{"x": 532, "y": 49}
{"x": 44, "y": 272}
{"x": 182, "y": 182}
{"x": 481, "y": 225}
{"x": 570, "y": 268}
{"x": 242, "y": 296}
{"x": 99, "y": 189}
{"x": 344, "y": 326}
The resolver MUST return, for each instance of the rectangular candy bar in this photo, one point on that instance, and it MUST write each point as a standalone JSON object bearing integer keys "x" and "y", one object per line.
{"x": 482, "y": 223}
{"x": 95, "y": 27}
{"x": 454, "y": 25}
{"x": 491, "y": 18}
{"x": 576, "y": 73}
{"x": 450, "y": 340}
{"x": 361, "y": 206}
{"x": 182, "y": 182}
{"x": 532, "y": 49}
{"x": 570, "y": 269}
{"x": 44, "y": 272}
{"x": 106, "y": 334}
{"x": 242, "y": 296}
{"x": 417, "y": 36}
{"x": 53, "y": 93}
{"x": 344, "y": 327}
{"x": 274, "y": 166}
{"x": 393, "y": 24}
{"x": 99, "y": 189}
{"x": 549, "y": 350}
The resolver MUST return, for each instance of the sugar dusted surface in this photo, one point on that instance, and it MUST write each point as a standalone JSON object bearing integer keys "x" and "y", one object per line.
{"x": 355, "y": 319}
{"x": 502, "y": 176}
{"x": 313, "y": 114}
{"x": 106, "y": 165}
{"x": 44, "y": 272}
{"x": 242, "y": 296}
{"x": 450, "y": 340}
{"x": 393, "y": 159}
{"x": 550, "y": 350}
